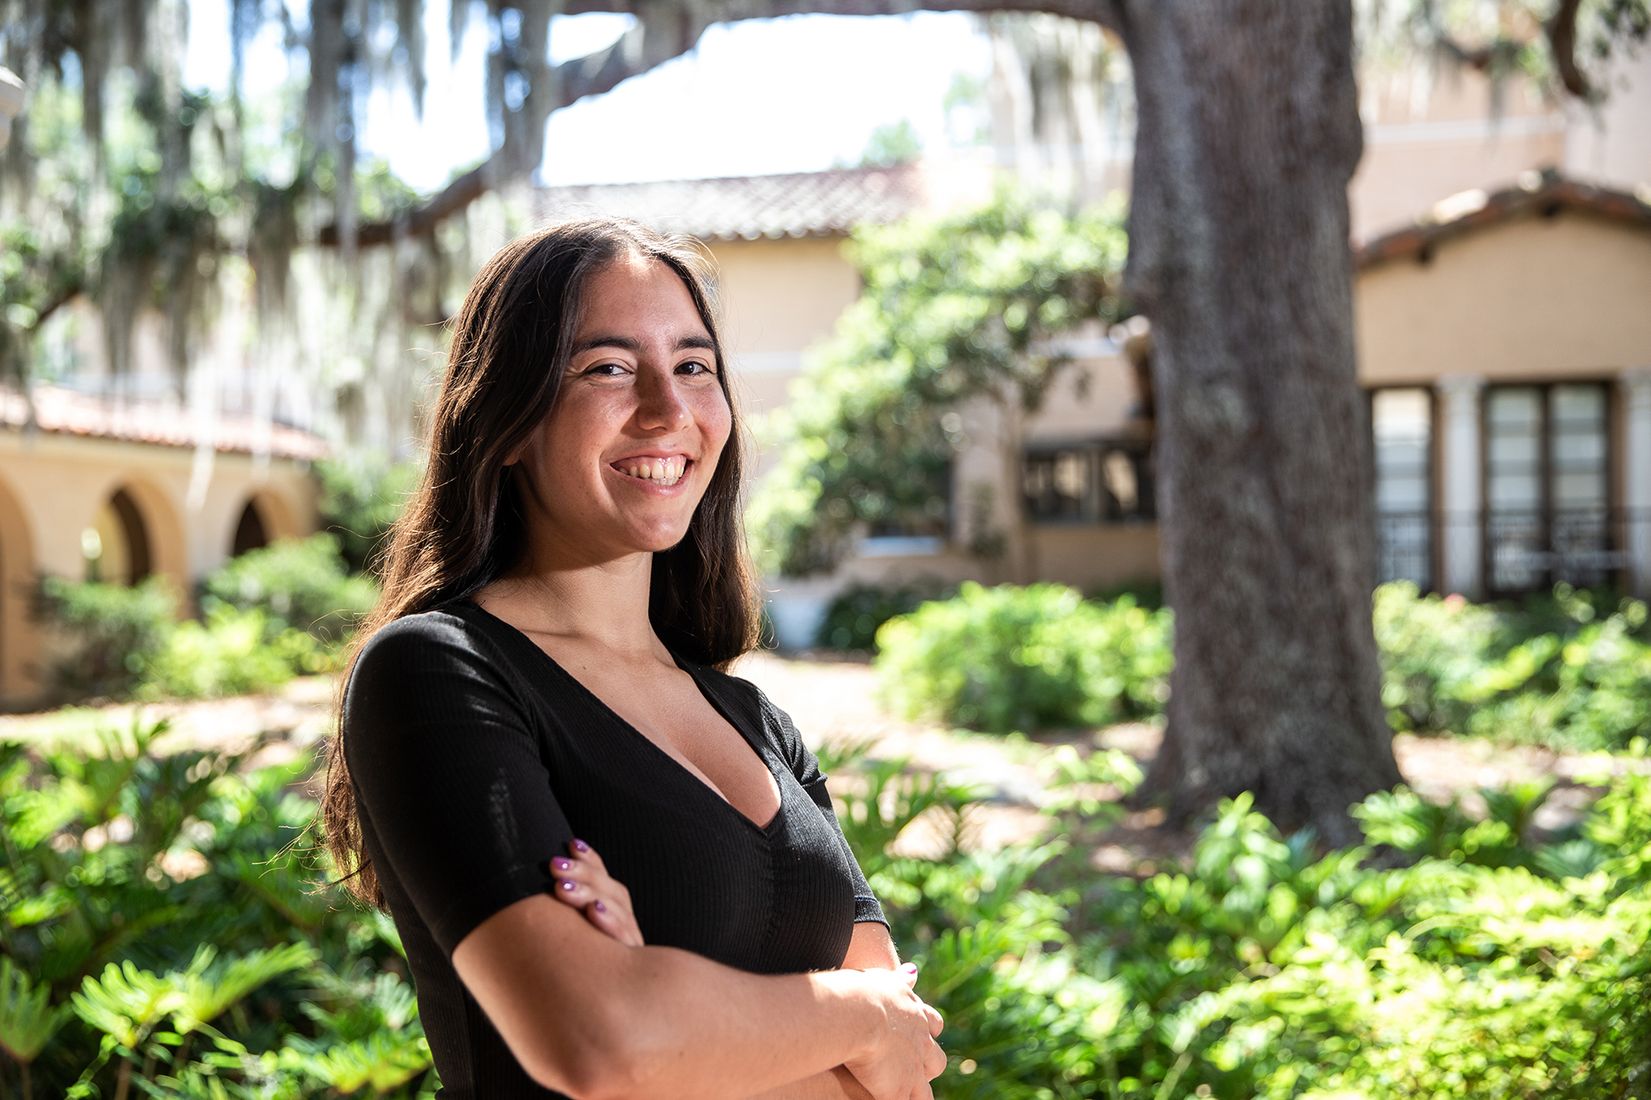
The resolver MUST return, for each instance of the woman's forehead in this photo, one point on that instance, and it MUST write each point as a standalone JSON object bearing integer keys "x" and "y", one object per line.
{"x": 637, "y": 296}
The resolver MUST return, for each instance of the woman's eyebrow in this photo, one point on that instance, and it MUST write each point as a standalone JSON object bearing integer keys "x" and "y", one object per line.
{"x": 628, "y": 344}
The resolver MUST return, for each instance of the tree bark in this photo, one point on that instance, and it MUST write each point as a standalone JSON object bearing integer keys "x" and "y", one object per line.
{"x": 1248, "y": 135}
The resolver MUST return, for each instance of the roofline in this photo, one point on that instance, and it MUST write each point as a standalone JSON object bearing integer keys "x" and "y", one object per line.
{"x": 1545, "y": 193}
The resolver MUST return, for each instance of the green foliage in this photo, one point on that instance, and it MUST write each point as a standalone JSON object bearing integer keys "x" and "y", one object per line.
{"x": 361, "y": 496}
{"x": 161, "y": 930}
{"x": 1491, "y": 965}
{"x": 858, "y": 611}
{"x": 122, "y": 642}
{"x": 891, "y": 144}
{"x": 269, "y": 614}
{"x": 1569, "y": 670}
{"x": 953, "y": 308}
{"x": 106, "y": 631}
{"x": 1009, "y": 658}
{"x": 299, "y": 583}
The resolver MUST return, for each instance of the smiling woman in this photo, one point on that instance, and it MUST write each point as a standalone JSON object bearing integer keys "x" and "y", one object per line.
{"x": 563, "y": 597}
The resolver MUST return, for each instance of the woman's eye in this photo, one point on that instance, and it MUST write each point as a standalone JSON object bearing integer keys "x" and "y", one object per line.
{"x": 694, "y": 366}
{"x": 606, "y": 370}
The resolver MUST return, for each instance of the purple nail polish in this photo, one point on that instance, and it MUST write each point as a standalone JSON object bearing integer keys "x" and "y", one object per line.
{"x": 580, "y": 846}
{"x": 569, "y": 884}
{"x": 600, "y": 908}
{"x": 562, "y": 863}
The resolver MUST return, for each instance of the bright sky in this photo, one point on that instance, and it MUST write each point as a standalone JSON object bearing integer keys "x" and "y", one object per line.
{"x": 784, "y": 95}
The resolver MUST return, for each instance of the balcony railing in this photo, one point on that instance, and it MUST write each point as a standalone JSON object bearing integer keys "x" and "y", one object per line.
{"x": 1519, "y": 551}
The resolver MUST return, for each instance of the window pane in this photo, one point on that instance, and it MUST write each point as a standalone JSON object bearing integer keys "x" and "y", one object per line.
{"x": 1401, "y": 425}
{"x": 1516, "y": 490}
{"x": 1575, "y": 449}
{"x": 1514, "y": 450}
{"x": 1513, "y": 408}
{"x": 1583, "y": 490}
{"x": 1579, "y": 403}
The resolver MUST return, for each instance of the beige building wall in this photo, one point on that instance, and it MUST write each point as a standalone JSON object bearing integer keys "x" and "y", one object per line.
{"x": 1536, "y": 298}
{"x": 53, "y": 487}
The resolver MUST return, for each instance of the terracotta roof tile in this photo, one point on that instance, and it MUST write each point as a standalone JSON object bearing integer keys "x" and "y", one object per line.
{"x": 799, "y": 204}
{"x": 1537, "y": 193}
{"x": 65, "y": 412}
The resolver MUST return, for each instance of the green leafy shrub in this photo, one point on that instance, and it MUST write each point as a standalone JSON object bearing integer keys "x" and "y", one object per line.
{"x": 1006, "y": 658}
{"x": 856, "y": 614}
{"x": 1431, "y": 646}
{"x": 1566, "y": 669}
{"x": 104, "y": 633}
{"x": 163, "y": 934}
{"x": 1494, "y": 964}
{"x": 361, "y": 497}
{"x": 231, "y": 652}
{"x": 301, "y": 583}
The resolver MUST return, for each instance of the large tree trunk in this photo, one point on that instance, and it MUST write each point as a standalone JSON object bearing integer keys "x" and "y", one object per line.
{"x": 1248, "y": 135}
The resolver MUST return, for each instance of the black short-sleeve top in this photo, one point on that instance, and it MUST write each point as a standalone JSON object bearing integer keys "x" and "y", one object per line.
{"x": 476, "y": 758}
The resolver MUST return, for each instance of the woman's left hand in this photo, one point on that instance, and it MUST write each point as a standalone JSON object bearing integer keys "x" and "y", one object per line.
{"x": 582, "y": 881}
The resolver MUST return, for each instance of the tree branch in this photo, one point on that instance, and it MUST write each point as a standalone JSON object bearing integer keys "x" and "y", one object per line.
{"x": 1561, "y": 31}
{"x": 664, "y": 31}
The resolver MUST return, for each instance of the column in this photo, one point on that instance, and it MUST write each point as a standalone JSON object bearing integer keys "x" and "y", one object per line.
{"x": 1636, "y": 481}
{"x": 1460, "y": 479}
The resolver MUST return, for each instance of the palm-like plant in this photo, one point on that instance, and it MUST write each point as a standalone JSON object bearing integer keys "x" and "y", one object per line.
{"x": 28, "y": 1019}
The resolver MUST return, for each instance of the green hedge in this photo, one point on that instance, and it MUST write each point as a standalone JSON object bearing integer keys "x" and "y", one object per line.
{"x": 298, "y": 583}
{"x": 267, "y": 615}
{"x": 856, "y": 614}
{"x": 1567, "y": 669}
{"x": 1007, "y": 658}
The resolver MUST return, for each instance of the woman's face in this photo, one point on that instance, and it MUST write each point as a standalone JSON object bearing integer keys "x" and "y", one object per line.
{"x": 640, "y": 420}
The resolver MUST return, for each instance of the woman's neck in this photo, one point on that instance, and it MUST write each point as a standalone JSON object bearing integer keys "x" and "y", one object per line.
{"x": 604, "y": 604}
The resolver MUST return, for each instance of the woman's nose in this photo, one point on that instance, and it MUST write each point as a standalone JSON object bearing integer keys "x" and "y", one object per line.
{"x": 661, "y": 404}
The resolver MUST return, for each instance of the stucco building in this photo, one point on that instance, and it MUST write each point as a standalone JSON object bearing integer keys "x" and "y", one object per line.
{"x": 90, "y": 489}
{"x": 1503, "y": 252}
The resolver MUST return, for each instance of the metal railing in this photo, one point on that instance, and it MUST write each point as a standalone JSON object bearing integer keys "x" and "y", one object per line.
{"x": 1519, "y": 550}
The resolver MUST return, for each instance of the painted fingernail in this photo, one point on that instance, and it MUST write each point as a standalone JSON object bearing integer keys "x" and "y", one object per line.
{"x": 569, "y": 884}
{"x": 580, "y": 846}
{"x": 600, "y": 908}
{"x": 562, "y": 863}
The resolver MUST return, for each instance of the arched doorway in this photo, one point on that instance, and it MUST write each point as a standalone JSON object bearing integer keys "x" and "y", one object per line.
{"x": 117, "y": 546}
{"x": 251, "y": 532}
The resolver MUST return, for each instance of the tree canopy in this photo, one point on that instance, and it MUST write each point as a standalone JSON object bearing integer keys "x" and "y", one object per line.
{"x": 954, "y": 308}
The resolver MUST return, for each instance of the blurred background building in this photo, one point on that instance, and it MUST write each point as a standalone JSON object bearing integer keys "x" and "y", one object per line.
{"x": 1503, "y": 252}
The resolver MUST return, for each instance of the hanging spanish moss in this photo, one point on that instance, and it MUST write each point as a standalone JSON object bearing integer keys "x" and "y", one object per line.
{"x": 175, "y": 208}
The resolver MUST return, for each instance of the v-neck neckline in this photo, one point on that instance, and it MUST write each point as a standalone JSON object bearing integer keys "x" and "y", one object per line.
{"x": 709, "y": 696}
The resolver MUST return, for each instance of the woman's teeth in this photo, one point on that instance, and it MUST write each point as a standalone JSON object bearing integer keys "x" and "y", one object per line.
{"x": 664, "y": 471}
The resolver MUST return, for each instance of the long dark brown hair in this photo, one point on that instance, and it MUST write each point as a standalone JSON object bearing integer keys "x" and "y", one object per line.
{"x": 463, "y": 525}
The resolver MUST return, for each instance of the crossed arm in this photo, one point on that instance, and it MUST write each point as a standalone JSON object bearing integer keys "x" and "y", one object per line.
{"x": 670, "y": 1022}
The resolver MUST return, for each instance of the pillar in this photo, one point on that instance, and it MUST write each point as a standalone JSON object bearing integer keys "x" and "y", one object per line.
{"x": 1460, "y": 480}
{"x": 1636, "y": 481}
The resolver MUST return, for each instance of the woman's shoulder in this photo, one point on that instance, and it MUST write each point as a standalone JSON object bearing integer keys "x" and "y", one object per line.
{"x": 439, "y": 628}
{"x": 440, "y": 644}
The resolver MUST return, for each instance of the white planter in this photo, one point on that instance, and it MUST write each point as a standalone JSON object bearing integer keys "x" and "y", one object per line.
{"x": 798, "y": 607}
